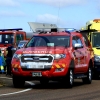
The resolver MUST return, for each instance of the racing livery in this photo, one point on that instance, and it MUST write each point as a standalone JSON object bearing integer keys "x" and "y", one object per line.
{"x": 53, "y": 56}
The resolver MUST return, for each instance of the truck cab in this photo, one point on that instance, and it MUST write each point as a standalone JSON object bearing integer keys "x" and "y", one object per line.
{"x": 11, "y": 37}
{"x": 92, "y": 29}
{"x": 53, "y": 54}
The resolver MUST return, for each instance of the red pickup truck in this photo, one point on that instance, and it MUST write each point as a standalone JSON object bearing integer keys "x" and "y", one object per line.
{"x": 54, "y": 55}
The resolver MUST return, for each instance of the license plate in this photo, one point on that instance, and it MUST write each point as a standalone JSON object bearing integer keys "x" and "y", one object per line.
{"x": 35, "y": 66}
{"x": 31, "y": 66}
{"x": 36, "y": 74}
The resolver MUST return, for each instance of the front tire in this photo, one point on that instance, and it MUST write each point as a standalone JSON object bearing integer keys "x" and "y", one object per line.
{"x": 70, "y": 78}
{"x": 18, "y": 82}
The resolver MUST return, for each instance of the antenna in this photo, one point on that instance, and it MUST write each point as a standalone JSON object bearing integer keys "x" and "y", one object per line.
{"x": 58, "y": 13}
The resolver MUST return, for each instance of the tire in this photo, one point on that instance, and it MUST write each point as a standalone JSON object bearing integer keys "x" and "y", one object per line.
{"x": 18, "y": 82}
{"x": 70, "y": 78}
{"x": 88, "y": 79}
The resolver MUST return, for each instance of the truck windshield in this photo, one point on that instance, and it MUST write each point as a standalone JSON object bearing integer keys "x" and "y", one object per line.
{"x": 96, "y": 39}
{"x": 6, "y": 38}
{"x": 49, "y": 41}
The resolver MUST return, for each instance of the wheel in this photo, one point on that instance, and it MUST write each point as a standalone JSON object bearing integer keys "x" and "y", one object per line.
{"x": 18, "y": 81}
{"x": 70, "y": 78}
{"x": 88, "y": 79}
{"x": 44, "y": 81}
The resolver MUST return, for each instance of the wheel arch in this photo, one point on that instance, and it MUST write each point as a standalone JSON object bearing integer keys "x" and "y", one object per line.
{"x": 72, "y": 64}
{"x": 91, "y": 63}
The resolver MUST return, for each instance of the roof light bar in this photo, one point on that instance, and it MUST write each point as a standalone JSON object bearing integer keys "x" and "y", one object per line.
{"x": 16, "y": 29}
{"x": 41, "y": 30}
{"x": 70, "y": 29}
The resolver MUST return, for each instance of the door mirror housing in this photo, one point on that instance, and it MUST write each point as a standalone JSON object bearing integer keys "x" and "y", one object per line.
{"x": 77, "y": 45}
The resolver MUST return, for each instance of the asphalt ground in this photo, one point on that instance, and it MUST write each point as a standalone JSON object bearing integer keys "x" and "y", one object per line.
{"x": 52, "y": 91}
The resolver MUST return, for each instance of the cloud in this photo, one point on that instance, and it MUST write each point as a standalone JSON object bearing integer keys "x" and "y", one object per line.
{"x": 8, "y": 3}
{"x": 57, "y": 3}
{"x": 52, "y": 19}
{"x": 12, "y": 14}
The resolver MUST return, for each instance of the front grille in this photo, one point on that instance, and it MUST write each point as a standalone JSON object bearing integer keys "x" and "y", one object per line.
{"x": 34, "y": 58}
{"x": 36, "y": 62}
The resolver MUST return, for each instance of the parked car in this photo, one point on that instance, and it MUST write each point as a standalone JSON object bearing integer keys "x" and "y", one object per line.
{"x": 21, "y": 44}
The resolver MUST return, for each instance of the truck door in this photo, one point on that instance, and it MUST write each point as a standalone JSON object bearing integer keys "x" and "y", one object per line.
{"x": 79, "y": 55}
{"x": 84, "y": 55}
{"x": 88, "y": 52}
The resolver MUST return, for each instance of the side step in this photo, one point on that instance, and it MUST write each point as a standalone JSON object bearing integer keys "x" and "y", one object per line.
{"x": 78, "y": 76}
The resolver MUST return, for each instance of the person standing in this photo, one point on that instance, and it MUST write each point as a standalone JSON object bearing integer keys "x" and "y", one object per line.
{"x": 2, "y": 62}
{"x": 8, "y": 59}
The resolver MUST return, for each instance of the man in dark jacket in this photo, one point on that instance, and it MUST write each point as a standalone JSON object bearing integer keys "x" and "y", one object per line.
{"x": 9, "y": 58}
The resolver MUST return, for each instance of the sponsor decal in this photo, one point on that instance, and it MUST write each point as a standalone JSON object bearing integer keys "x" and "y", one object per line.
{"x": 36, "y": 52}
{"x": 82, "y": 65}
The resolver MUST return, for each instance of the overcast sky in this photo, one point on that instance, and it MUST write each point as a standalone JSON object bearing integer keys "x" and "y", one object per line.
{"x": 64, "y": 13}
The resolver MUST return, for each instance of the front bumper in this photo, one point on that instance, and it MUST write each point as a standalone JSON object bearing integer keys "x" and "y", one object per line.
{"x": 56, "y": 70}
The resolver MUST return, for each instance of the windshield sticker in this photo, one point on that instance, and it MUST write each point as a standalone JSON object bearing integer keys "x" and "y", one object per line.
{"x": 50, "y": 44}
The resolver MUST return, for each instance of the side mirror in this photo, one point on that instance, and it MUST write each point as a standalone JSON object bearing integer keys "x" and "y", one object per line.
{"x": 77, "y": 45}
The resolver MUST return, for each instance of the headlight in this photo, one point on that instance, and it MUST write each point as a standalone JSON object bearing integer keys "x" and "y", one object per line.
{"x": 2, "y": 48}
{"x": 59, "y": 56}
{"x": 17, "y": 56}
{"x": 97, "y": 58}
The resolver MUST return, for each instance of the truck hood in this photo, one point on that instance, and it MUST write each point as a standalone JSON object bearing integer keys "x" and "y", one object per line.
{"x": 43, "y": 50}
{"x": 3, "y": 48}
{"x": 96, "y": 51}
{"x": 4, "y": 45}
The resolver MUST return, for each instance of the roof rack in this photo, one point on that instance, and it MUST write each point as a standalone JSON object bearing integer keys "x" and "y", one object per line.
{"x": 86, "y": 32}
{"x": 49, "y": 30}
{"x": 14, "y": 29}
{"x": 90, "y": 30}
